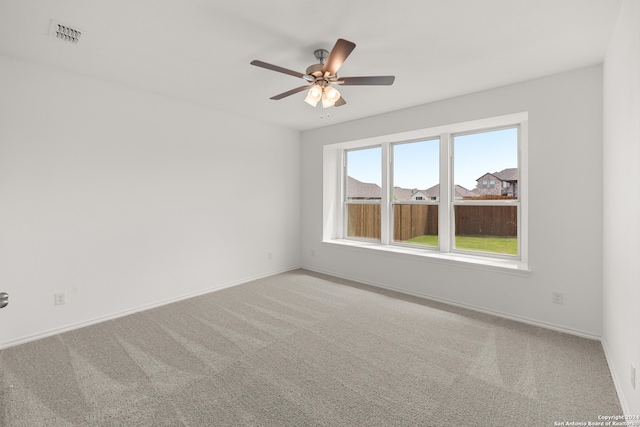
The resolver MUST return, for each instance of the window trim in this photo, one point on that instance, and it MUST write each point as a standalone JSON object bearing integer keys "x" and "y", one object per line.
{"x": 333, "y": 193}
{"x": 426, "y": 202}
{"x": 346, "y": 202}
{"x": 521, "y": 127}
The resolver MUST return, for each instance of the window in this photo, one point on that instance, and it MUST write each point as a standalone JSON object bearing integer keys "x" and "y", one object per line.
{"x": 363, "y": 193}
{"x": 457, "y": 190}
{"x": 416, "y": 168}
{"x": 486, "y": 221}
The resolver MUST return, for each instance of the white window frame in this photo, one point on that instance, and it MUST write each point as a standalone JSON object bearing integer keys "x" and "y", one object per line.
{"x": 334, "y": 228}
{"x": 392, "y": 203}
{"x": 471, "y": 202}
{"x": 346, "y": 202}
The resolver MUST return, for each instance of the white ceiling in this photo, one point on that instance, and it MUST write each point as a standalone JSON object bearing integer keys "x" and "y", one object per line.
{"x": 199, "y": 50}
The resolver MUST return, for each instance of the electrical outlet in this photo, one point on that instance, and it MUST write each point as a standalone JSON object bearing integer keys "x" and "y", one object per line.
{"x": 313, "y": 252}
{"x": 270, "y": 255}
{"x": 633, "y": 376}
{"x": 59, "y": 298}
{"x": 557, "y": 297}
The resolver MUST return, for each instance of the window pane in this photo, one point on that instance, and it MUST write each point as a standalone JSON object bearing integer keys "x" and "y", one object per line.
{"x": 487, "y": 228}
{"x": 363, "y": 221}
{"x": 416, "y": 224}
{"x": 416, "y": 170}
{"x": 486, "y": 165}
{"x": 364, "y": 174}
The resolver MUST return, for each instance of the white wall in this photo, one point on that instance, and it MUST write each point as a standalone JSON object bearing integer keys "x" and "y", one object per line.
{"x": 565, "y": 187}
{"x": 621, "y": 160}
{"x": 123, "y": 199}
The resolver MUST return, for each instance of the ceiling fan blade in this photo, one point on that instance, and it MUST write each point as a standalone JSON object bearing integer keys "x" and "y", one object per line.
{"x": 290, "y": 92}
{"x": 340, "y": 102}
{"x": 339, "y": 53}
{"x": 372, "y": 80}
{"x": 276, "y": 68}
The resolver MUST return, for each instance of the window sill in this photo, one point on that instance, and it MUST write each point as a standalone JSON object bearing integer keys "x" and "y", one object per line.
{"x": 478, "y": 262}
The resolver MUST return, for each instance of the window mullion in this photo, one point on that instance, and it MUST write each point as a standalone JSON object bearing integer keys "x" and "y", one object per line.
{"x": 444, "y": 209}
{"x": 385, "y": 205}
{"x": 342, "y": 195}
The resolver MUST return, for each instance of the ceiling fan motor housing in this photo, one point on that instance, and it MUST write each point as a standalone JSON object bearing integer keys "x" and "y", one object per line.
{"x": 315, "y": 70}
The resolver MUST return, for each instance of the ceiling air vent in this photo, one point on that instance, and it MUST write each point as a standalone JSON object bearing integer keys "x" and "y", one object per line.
{"x": 64, "y": 32}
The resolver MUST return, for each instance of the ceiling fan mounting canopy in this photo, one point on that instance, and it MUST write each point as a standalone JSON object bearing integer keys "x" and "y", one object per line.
{"x": 322, "y": 76}
{"x": 321, "y": 55}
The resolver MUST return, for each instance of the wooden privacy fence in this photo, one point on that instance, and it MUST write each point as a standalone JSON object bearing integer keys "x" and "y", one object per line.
{"x": 410, "y": 221}
{"x": 486, "y": 221}
{"x": 363, "y": 221}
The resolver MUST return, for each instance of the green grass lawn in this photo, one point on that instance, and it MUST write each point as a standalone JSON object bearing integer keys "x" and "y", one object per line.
{"x": 427, "y": 239}
{"x": 501, "y": 245}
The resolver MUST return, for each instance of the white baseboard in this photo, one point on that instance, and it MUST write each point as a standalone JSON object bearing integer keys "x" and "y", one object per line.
{"x": 558, "y": 328}
{"x": 616, "y": 378}
{"x": 93, "y": 321}
{"x": 520, "y": 319}
{"x": 74, "y": 326}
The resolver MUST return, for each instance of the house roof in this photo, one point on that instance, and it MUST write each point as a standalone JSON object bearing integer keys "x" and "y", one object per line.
{"x": 361, "y": 189}
{"x": 431, "y": 192}
{"x": 509, "y": 174}
{"x": 462, "y": 192}
{"x": 356, "y": 188}
{"x": 400, "y": 193}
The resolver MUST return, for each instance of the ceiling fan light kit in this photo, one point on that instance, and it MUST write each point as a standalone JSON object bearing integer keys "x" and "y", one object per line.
{"x": 322, "y": 76}
{"x": 330, "y": 96}
{"x": 314, "y": 95}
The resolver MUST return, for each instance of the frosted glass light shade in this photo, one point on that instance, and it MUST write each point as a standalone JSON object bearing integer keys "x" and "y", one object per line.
{"x": 329, "y": 96}
{"x": 314, "y": 95}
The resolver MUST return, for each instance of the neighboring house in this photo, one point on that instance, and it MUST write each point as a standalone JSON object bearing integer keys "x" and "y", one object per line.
{"x": 358, "y": 190}
{"x": 400, "y": 193}
{"x": 433, "y": 193}
{"x": 420, "y": 195}
{"x": 462, "y": 193}
{"x": 503, "y": 183}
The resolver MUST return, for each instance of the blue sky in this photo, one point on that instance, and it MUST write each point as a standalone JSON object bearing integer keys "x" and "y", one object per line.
{"x": 416, "y": 165}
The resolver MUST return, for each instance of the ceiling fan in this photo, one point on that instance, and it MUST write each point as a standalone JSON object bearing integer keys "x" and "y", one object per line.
{"x": 322, "y": 77}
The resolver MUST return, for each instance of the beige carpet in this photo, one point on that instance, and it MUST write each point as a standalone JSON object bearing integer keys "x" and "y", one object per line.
{"x": 302, "y": 349}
